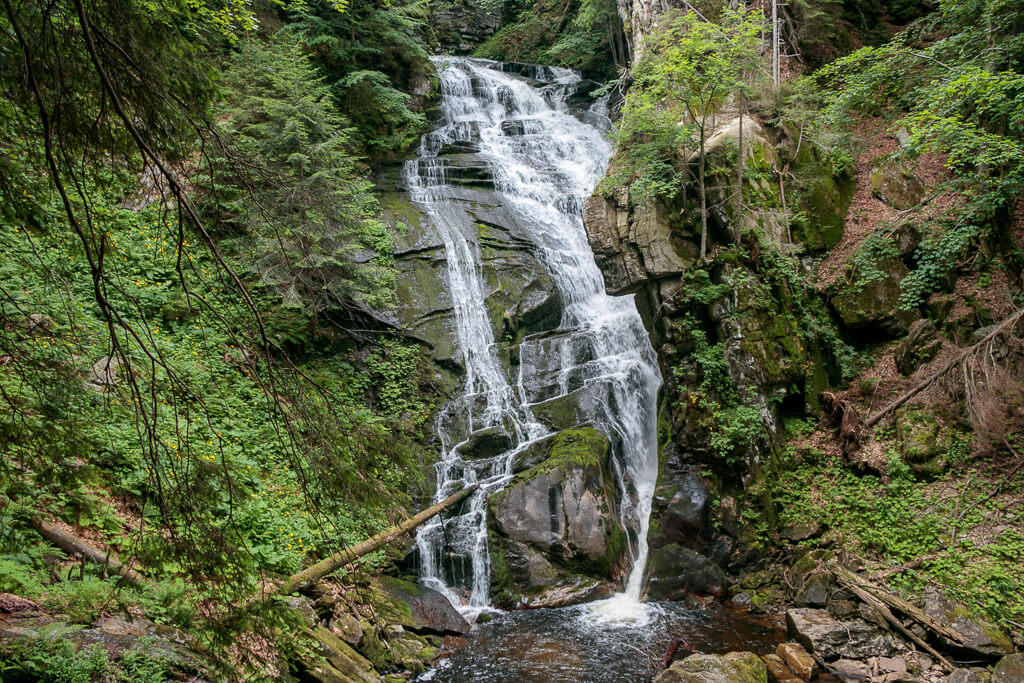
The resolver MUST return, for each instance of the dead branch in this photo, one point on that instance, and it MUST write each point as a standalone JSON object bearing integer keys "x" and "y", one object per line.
{"x": 983, "y": 349}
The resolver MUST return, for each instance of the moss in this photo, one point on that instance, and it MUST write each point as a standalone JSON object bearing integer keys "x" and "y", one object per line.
{"x": 581, "y": 447}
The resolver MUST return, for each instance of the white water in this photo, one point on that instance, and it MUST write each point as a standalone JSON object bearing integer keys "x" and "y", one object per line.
{"x": 543, "y": 170}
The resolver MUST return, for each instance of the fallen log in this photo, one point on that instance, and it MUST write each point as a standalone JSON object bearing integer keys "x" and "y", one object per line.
{"x": 76, "y": 546}
{"x": 885, "y": 613}
{"x": 311, "y": 575}
{"x": 882, "y": 600}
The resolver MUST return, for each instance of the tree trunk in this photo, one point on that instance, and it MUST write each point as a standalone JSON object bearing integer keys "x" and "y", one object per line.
{"x": 739, "y": 176}
{"x": 77, "y": 546}
{"x": 311, "y": 575}
{"x": 703, "y": 199}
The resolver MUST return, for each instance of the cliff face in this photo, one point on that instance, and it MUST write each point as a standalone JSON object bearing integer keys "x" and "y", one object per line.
{"x": 743, "y": 339}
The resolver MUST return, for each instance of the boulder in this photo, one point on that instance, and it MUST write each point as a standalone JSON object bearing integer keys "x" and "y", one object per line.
{"x": 675, "y": 570}
{"x": 1010, "y": 669}
{"x": 734, "y": 667}
{"x": 556, "y": 517}
{"x": 485, "y": 443}
{"x": 981, "y": 635}
{"x": 896, "y": 185}
{"x": 423, "y": 609}
{"x": 340, "y": 663}
{"x": 871, "y": 305}
{"x": 822, "y": 635}
{"x": 921, "y": 344}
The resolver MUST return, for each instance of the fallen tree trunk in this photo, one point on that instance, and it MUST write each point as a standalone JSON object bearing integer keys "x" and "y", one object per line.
{"x": 883, "y": 611}
{"x": 311, "y": 575}
{"x": 77, "y": 546}
{"x": 1007, "y": 324}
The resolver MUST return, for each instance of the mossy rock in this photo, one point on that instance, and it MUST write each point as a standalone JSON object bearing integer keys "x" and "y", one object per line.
{"x": 872, "y": 304}
{"x": 823, "y": 199}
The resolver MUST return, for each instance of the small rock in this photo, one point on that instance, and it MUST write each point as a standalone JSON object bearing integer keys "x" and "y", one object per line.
{"x": 893, "y": 664}
{"x": 851, "y": 671}
{"x": 304, "y": 607}
{"x": 797, "y": 658}
{"x": 964, "y": 676}
{"x": 106, "y": 372}
{"x": 347, "y": 627}
{"x": 814, "y": 592}
{"x": 1010, "y": 669}
{"x": 778, "y": 672}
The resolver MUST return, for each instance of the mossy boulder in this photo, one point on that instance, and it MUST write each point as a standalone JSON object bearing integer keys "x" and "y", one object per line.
{"x": 734, "y": 667}
{"x": 921, "y": 344}
{"x": 982, "y": 636}
{"x": 895, "y": 184}
{"x": 822, "y": 201}
{"x": 870, "y": 303}
{"x": 922, "y": 446}
{"x": 555, "y": 519}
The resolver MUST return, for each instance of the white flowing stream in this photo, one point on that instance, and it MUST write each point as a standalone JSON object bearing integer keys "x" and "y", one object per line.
{"x": 544, "y": 161}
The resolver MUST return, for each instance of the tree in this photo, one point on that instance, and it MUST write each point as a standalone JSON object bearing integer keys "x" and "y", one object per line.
{"x": 690, "y": 68}
{"x": 314, "y": 233}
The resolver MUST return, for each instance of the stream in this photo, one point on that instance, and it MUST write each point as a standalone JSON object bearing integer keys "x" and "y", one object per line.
{"x": 534, "y": 135}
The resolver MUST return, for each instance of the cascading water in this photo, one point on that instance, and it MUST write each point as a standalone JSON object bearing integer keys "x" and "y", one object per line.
{"x": 543, "y": 162}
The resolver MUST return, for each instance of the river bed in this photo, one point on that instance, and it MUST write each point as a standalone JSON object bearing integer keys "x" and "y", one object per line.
{"x": 568, "y": 645}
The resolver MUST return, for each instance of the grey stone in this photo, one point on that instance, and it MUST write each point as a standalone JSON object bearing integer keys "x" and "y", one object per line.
{"x": 430, "y": 612}
{"x": 801, "y": 532}
{"x": 828, "y": 638}
{"x": 851, "y": 671}
{"x": 675, "y": 569}
{"x": 1010, "y": 669}
{"x": 965, "y": 676}
{"x": 981, "y": 635}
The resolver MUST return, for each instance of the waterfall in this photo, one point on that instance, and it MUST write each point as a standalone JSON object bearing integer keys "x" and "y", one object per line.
{"x": 543, "y": 158}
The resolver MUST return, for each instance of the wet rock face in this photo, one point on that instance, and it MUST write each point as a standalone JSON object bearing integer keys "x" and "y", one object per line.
{"x": 734, "y": 667}
{"x": 555, "y": 520}
{"x": 675, "y": 570}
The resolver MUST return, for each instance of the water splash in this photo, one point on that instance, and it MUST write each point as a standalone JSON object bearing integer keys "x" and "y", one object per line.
{"x": 543, "y": 160}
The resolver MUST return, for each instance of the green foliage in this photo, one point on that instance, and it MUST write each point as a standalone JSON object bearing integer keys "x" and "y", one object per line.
{"x": 309, "y": 224}
{"x": 899, "y": 520}
{"x": 688, "y": 70}
{"x": 584, "y": 34}
{"x": 51, "y": 658}
{"x": 372, "y": 57}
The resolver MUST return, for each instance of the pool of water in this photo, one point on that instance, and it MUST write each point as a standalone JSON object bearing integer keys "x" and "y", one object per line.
{"x": 571, "y": 645}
